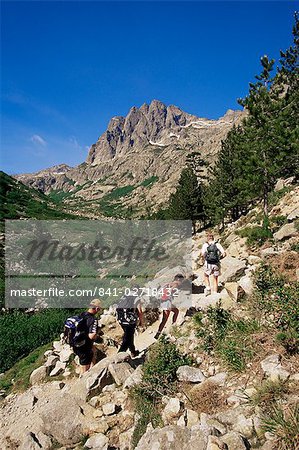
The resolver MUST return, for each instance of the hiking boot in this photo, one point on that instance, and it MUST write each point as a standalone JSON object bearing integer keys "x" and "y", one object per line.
{"x": 157, "y": 335}
{"x": 135, "y": 354}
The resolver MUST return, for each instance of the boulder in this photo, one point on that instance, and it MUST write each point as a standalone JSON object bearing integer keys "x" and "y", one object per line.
{"x": 58, "y": 369}
{"x": 65, "y": 354}
{"x": 134, "y": 378}
{"x": 232, "y": 269}
{"x": 293, "y": 215}
{"x": 219, "y": 378}
{"x": 273, "y": 368}
{"x": 172, "y": 437}
{"x": 171, "y": 409}
{"x": 99, "y": 376}
{"x": 286, "y": 231}
{"x": 63, "y": 419}
{"x": 192, "y": 418}
{"x": 244, "y": 426}
{"x": 97, "y": 442}
{"x": 246, "y": 284}
{"x": 270, "y": 251}
{"x": 120, "y": 372}
{"x": 109, "y": 409}
{"x": 214, "y": 443}
{"x": 234, "y": 441}
{"x": 252, "y": 259}
{"x": 38, "y": 375}
{"x": 51, "y": 361}
{"x": 36, "y": 441}
{"x": 107, "y": 319}
{"x": 191, "y": 374}
{"x": 234, "y": 290}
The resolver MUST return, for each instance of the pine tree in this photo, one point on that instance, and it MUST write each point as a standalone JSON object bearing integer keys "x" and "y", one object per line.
{"x": 186, "y": 203}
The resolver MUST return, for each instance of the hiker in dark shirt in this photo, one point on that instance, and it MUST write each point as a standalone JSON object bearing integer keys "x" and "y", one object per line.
{"x": 129, "y": 314}
{"x": 90, "y": 327}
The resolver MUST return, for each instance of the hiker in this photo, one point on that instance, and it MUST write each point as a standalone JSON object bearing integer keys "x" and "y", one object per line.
{"x": 81, "y": 332}
{"x": 168, "y": 293}
{"x": 212, "y": 251}
{"x": 129, "y": 315}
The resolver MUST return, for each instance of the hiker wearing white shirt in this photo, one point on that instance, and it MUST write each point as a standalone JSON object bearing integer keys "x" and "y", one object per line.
{"x": 212, "y": 251}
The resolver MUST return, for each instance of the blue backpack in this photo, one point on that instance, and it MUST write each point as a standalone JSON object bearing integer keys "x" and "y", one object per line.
{"x": 75, "y": 331}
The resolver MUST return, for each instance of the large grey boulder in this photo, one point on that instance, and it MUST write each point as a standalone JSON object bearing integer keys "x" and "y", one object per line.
{"x": 191, "y": 374}
{"x": 232, "y": 269}
{"x": 36, "y": 441}
{"x": 63, "y": 419}
{"x": 99, "y": 375}
{"x": 58, "y": 369}
{"x": 135, "y": 378}
{"x": 38, "y": 375}
{"x": 286, "y": 231}
{"x": 120, "y": 372}
{"x": 172, "y": 437}
{"x": 246, "y": 284}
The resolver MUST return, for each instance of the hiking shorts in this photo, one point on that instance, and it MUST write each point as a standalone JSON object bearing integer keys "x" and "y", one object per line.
{"x": 166, "y": 305}
{"x": 85, "y": 354}
{"x": 212, "y": 269}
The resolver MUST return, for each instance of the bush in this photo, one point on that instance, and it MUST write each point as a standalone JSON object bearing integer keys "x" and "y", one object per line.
{"x": 269, "y": 393}
{"x": 279, "y": 303}
{"x": 159, "y": 378}
{"x": 257, "y": 235}
{"x": 228, "y": 338}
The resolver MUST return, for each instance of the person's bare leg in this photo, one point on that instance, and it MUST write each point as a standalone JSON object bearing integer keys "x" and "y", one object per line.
{"x": 93, "y": 362}
{"x": 175, "y": 314}
{"x": 216, "y": 283}
{"x": 207, "y": 281}
{"x": 162, "y": 324}
{"x": 85, "y": 368}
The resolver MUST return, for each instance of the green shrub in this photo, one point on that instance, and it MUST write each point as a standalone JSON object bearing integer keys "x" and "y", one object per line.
{"x": 257, "y": 235}
{"x": 278, "y": 221}
{"x": 278, "y": 302}
{"x": 159, "y": 378}
{"x": 228, "y": 338}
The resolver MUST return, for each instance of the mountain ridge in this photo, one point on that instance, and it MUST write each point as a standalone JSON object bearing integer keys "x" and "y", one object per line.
{"x": 150, "y": 143}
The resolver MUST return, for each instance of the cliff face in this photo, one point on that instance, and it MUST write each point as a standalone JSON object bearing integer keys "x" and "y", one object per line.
{"x": 145, "y": 150}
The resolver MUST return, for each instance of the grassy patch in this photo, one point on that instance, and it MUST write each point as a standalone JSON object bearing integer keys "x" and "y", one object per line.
{"x": 228, "y": 338}
{"x": 278, "y": 303}
{"x": 159, "y": 378}
{"x": 149, "y": 181}
{"x": 269, "y": 393}
{"x": 283, "y": 424}
{"x": 17, "y": 378}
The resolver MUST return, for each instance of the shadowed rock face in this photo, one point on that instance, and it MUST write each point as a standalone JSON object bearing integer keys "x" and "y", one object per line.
{"x": 151, "y": 141}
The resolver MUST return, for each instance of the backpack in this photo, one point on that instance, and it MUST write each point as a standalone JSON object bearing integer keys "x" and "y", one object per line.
{"x": 213, "y": 254}
{"x": 166, "y": 293}
{"x": 75, "y": 331}
{"x": 126, "y": 312}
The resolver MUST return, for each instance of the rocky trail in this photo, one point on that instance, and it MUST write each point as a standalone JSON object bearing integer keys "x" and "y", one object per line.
{"x": 212, "y": 408}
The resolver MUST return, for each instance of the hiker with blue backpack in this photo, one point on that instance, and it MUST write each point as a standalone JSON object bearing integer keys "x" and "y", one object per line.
{"x": 81, "y": 331}
{"x": 212, "y": 252}
{"x": 129, "y": 315}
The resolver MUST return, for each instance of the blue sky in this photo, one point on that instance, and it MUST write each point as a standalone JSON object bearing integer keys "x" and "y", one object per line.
{"x": 68, "y": 67}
